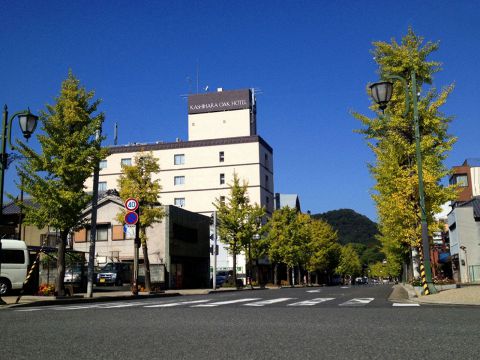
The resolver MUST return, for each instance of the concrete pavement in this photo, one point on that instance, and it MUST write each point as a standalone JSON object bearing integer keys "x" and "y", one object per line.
{"x": 465, "y": 295}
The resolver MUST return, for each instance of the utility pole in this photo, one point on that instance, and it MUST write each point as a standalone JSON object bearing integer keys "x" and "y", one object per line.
{"x": 214, "y": 275}
{"x": 93, "y": 226}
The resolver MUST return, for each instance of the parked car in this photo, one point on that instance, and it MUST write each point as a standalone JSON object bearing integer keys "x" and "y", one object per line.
{"x": 76, "y": 275}
{"x": 115, "y": 274}
{"x": 14, "y": 265}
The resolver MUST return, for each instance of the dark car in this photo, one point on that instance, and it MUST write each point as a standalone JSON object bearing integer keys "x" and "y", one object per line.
{"x": 220, "y": 279}
{"x": 76, "y": 275}
{"x": 115, "y": 274}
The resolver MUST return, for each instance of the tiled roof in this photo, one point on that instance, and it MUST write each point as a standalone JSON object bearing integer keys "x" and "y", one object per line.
{"x": 13, "y": 209}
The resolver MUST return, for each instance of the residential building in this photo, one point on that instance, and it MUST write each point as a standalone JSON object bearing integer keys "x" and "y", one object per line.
{"x": 178, "y": 246}
{"x": 222, "y": 140}
{"x": 464, "y": 222}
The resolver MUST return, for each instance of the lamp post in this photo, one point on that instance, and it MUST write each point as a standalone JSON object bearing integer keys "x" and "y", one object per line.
{"x": 28, "y": 123}
{"x": 382, "y": 93}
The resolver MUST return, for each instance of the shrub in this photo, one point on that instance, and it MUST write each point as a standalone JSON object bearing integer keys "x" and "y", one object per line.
{"x": 46, "y": 289}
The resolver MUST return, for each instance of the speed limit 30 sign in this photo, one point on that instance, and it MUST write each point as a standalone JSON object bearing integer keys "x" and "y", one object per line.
{"x": 131, "y": 204}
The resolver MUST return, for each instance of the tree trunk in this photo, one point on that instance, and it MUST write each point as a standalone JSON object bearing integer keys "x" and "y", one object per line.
{"x": 275, "y": 274}
{"x": 59, "y": 282}
{"x": 289, "y": 276}
{"x": 234, "y": 253}
{"x": 146, "y": 263}
{"x": 258, "y": 274}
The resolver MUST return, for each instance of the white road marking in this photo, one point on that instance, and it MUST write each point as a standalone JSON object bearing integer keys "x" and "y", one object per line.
{"x": 311, "y": 302}
{"x": 404, "y": 304}
{"x": 313, "y": 291}
{"x": 268, "y": 302}
{"x": 226, "y": 302}
{"x": 345, "y": 287}
{"x": 357, "y": 302}
{"x": 118, "y": 306}
{"x": 177, "y": 303}
{"x": 36, "y": 309}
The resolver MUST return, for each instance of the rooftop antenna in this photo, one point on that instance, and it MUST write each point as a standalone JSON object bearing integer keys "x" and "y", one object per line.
{"x": 115, "y": 134}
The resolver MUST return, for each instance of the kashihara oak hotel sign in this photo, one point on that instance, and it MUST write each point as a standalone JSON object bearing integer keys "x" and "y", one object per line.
{"x": 219, "y": 101}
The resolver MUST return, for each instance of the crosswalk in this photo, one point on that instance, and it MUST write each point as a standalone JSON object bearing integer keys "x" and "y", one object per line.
{"x": 210, "y": 303}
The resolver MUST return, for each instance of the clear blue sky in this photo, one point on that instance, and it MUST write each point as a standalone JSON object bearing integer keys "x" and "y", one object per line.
{"x": 310, "y": 59}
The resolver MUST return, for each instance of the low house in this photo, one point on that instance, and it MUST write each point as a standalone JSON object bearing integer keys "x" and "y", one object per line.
{"x": 178, "y": 246}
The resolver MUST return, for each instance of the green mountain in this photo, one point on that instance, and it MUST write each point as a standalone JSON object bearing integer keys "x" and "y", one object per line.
{"x": 357, "y": 229}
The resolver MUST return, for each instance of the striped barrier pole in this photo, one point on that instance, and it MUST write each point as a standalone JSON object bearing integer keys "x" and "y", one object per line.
{"x": 34, "y": 265}
{"x": 423, "y": 276}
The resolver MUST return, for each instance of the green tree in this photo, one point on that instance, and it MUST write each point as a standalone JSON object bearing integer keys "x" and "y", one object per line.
{"x": 137, "y": 181}
{"x": 322, "y": 248}
{"x": 55, "y": 177}
{"x": 392, "y": 140}
{"x": 237, "y": 220}
{"x": 349, "y": 265}
{"x": 286, "y": 239}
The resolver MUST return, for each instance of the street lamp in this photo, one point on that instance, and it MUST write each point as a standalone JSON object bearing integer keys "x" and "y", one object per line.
{"x": 28, "y": 123}
{"x": 382, "y": 93}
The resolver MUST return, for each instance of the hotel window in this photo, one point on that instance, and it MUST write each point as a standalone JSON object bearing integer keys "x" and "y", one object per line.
{"x": 179, "y": 180}
{"x": 266, "y": 161}
{"x": 266, "y": 181}
{"x": 126, "y": 162}
{"x": 222, "y": 200}
{"x": 221, "y": 156}
{"x": 179, "y": 159}
{"x": 267, "y": 199}
{"x": 180, "y": 202}
{"x": 222, "y": 179}
{"x": 102, "y": 164}
{"x": 102, "y": 186}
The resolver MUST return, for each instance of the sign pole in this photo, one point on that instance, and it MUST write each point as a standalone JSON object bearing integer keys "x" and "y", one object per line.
{"x": 132, "y": 217}
{"x": 136, "y": 245}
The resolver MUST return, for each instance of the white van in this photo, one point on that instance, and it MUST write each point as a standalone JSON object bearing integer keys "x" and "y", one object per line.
{"x": 14, "y": 262}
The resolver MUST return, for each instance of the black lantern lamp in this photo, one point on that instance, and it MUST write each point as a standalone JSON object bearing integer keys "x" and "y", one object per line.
{"x": 28, "y": 123}
{"x": 382, "y": 93}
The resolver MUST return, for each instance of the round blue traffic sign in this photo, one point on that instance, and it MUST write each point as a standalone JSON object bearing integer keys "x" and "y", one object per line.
{"x": 131, "y": 218}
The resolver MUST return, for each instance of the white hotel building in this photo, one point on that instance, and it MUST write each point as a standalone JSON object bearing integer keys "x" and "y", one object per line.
{"x": 222, "y": 140}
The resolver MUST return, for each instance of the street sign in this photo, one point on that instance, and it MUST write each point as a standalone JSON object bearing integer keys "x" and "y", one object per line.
{"x": 131, "y": 204}
{"x": 129, "y": 231}
{"x": 131, "y": 218}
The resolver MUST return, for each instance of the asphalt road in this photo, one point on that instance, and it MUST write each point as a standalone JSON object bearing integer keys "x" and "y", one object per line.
{"x": 301, "y": 323}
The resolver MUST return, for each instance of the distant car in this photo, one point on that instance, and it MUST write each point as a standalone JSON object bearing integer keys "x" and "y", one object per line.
{"x": 115, "y": 274}
{"x": 361, "y": 281}
{"x": 220, "y": 278}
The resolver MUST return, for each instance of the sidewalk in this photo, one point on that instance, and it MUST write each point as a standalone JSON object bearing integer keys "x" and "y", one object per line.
{"x": 465, "y": 295}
